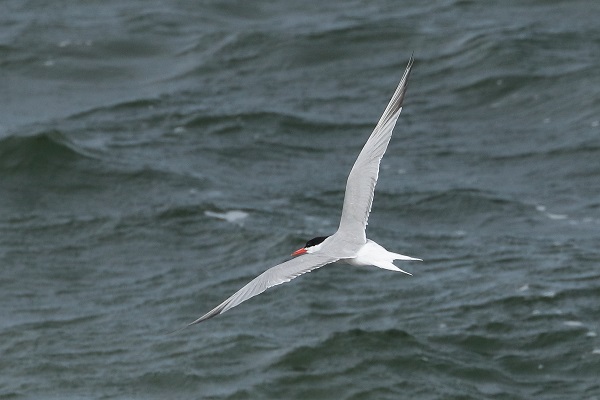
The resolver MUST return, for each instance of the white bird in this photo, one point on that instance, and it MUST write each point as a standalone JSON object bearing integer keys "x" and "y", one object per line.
{"x": 349, "y": 243}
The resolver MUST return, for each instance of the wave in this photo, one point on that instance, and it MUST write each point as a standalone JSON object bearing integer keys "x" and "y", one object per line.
{"x": 283, "y": 119}
{"x": 48, "y": 150}
{"x": 455, "y": 206}
{"x": 389, "y": 341}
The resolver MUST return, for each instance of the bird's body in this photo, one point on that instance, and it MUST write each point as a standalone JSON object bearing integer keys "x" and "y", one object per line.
{"x": 349, "y": 243}
{"x": 374, "y": 254}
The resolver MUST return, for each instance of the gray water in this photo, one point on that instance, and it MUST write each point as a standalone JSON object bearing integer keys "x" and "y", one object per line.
{"x": 155, "y": 157}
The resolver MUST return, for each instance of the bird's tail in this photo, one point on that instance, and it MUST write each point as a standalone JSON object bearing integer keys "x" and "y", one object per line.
{"x": 404, "y": 258}
{"x": 389, "y": 265}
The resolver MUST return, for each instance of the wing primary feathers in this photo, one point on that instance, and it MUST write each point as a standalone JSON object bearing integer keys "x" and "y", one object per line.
{"x": 276, "y": 275}
{"x": 360, "y": 186}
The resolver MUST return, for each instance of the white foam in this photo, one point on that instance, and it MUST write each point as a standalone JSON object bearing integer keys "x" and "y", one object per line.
{"x": 573, "y": 323}
{"x": 524, "y": 288}
{"x": 556, "y": 216}
{"x": 549, "y": 293}
{"x": 542, "y": 208}
{"x": 234, "y": 216}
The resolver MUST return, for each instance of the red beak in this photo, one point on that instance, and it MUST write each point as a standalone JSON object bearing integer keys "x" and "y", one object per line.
{"x": 299, "y": 252}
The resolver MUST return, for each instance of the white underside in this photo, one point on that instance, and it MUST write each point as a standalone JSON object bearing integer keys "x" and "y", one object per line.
{"x": 373, "y": 254}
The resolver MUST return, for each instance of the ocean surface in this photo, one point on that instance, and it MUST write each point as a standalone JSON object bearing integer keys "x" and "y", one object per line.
{"x": 156, "y": 156}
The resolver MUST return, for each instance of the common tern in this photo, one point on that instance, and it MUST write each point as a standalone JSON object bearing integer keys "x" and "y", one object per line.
{"x": 349, "y": 243}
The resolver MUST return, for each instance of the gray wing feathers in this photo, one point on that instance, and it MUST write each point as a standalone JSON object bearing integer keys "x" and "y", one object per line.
{"x": 361, "y": 182}
{"x": 277, "y": 275}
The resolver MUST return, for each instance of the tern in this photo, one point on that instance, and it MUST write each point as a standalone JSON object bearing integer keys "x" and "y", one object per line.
{"x": 349, "y": 243}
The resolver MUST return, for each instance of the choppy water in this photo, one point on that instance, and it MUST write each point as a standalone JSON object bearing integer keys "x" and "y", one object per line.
{"x": 155, "y": 157}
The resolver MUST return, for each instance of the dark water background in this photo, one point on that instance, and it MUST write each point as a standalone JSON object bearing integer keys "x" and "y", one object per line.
{"x": 156, "y": 156}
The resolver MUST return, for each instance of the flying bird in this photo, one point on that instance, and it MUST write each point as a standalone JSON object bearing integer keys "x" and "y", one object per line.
{"x": 349, "y": 243}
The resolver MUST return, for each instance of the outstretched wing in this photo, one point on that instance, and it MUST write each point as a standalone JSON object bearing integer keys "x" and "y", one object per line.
{"x": 277, "y": 275}
{"x": 360, "y": 186}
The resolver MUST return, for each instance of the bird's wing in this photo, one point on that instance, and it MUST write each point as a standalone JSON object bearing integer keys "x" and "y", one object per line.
{"x": 361, "y": 182}
{"x": 276, "y": 275}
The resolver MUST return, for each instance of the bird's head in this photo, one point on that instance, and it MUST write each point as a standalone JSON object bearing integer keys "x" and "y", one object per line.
{"x": 311, "y": 246}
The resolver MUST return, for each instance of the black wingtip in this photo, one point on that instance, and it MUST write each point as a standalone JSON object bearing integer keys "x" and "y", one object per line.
{"x": 169, "y": 333}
